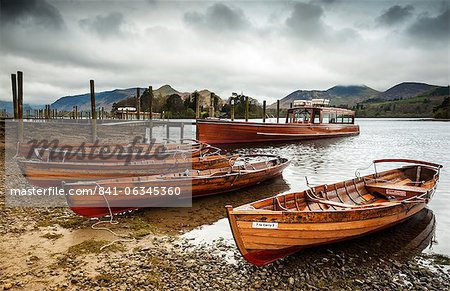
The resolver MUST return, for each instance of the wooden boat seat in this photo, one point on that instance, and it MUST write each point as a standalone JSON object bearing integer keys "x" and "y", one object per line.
{"x": 216, "y": 174}
{"x": 396, "y": 190}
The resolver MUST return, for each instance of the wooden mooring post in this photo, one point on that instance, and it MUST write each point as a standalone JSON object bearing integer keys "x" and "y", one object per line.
{"x": 197, "y": 104}
{"x": 278, "y": 111}
{"x": 211, "y": 105}
{"x": 246, "y": 108}
{"x": 264, "y": 111}
{"x": 138, "y": 103}
{"x": 93, "y": 112}
{"x": 150, "y": 102}
{"x": 20, "y": 94}
{"x": 167, "y": 131}
{"x": 14, "y": 94}
{"x": 232, "y": 108}
{"x": 20, "y": 104}
{"x": 181, "y": 132}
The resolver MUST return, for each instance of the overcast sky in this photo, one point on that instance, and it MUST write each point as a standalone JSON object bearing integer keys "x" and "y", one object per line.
{"x": 266, "y": 49}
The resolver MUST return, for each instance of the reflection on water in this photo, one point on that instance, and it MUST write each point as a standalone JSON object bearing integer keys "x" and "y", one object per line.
{"x": 333, "y": 160}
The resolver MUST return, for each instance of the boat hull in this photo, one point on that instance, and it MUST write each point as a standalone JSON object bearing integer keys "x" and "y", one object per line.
{"x": 261, "y": 247}
{"x": 50, "y": 174}
{"x": 113, "y": 153}
{"x": 231, "y": 132}
{"x": 96, "y": 206}
{"x": 274, "y": 227}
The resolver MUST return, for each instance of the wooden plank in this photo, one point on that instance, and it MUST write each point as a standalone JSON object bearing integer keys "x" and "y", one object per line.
{"x": 392, "y": 186}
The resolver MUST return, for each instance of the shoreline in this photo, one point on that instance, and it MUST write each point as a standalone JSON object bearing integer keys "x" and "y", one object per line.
{"x": 67, "y": 253}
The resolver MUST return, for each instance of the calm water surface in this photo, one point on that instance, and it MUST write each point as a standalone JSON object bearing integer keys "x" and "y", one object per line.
{"x": 333, "y": 160}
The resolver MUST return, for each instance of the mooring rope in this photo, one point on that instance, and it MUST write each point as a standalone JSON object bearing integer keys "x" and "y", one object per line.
{"x": 113, "y": 222}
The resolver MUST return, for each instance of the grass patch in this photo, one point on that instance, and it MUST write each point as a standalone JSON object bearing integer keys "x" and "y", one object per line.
{"x": 69, "y": 222}
{"x": 92, "y": 246}
{"x": 104, "y": 280}
{"x": 162, "y": 264}
{"x": 52, "y": 236}
{"x": 140, "y": 227}
{"x": 154, "y": 278}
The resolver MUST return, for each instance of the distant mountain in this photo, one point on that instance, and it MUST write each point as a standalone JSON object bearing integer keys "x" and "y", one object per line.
{"x": 107, "y": 98}
{"x": 406, "y": 90}
{"x": 351, "y": 95}
{"x": 440, "y": 91}
{"x": 299, "y": 95}
{"x": 348, "y": 95}
{"x": 428, "y": 104}
{"x": 161, "y": 95}
{"x": 205, "y": 98}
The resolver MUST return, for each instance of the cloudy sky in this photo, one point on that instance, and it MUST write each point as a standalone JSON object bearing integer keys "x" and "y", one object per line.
{"x": 266, "y": 49}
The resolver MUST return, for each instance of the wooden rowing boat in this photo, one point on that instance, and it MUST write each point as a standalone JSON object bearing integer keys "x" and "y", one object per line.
{"x": 192, "y": 184}
{"x": 275, "y": 227}
{"x": 302, "y": 123}
{"x": 48, "y": 174}
{"x": 107, "y": 152}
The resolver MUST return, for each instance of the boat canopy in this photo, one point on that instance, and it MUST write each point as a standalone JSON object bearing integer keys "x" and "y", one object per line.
{"x": 318, "y": 115}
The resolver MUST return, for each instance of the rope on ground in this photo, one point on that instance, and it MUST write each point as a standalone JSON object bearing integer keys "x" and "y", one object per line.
{"x": 113, "y": 222}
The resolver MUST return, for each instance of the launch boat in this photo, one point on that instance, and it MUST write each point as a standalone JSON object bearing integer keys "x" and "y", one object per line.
{"x": 303, "y": 121}
{"x": 278, "y": 226}
{"x": 106, "y": 197}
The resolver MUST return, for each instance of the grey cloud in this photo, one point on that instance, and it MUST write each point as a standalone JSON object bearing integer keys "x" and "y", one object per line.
{"x": 104, "y": 25}
{"x": 395, "y": 14}
{"x": 428, "y": 28}
{"x": 30, "y": 12}
{"x": 218, "y": 17}
{"x": 306, "y": 23}
{"x": 327, "y": 2}
{"x": 306, "y": 18}
{"x": 182, "y": 39}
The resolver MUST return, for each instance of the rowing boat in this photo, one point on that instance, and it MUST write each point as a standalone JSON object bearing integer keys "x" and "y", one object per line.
{"x": 109, "y": 152}
{"x": 275, "y": 227}
{"x": 48, "y": 174}
{"x": 133, "y": 193}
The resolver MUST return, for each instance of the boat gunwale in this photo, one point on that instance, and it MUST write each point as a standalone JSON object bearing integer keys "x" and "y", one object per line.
{"x": 246, "y": 210}
{"x": 144, "y": 162}
{"x": 284, "y": 163}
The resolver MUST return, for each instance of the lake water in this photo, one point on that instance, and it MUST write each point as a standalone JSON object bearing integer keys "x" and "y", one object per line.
{"x": 333, "y": 160}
